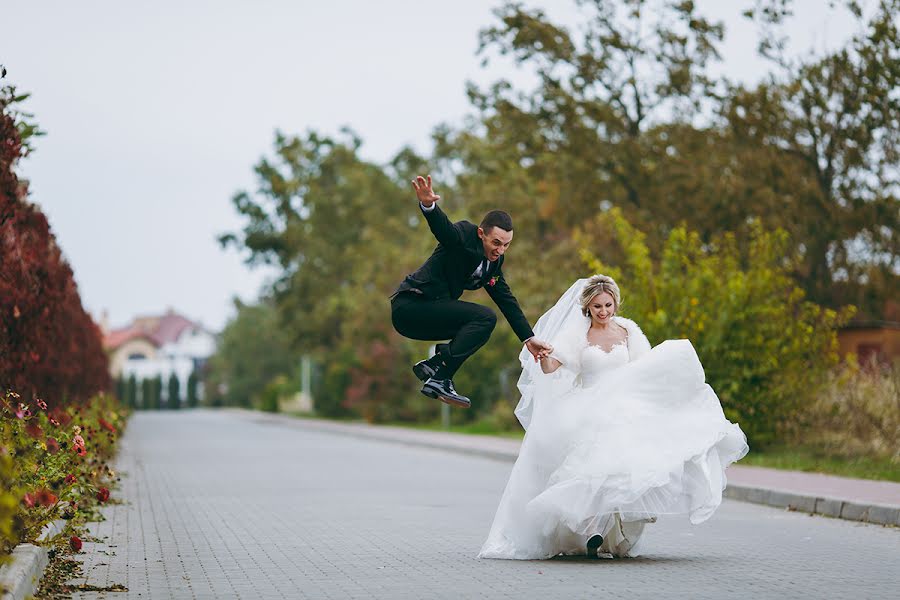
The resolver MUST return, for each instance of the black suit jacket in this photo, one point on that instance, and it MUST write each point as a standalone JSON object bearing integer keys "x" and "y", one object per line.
{"x": 448, "y": 271}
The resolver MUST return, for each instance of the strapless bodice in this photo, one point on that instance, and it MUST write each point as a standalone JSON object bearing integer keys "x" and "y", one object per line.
{"x": 595, "y": 361}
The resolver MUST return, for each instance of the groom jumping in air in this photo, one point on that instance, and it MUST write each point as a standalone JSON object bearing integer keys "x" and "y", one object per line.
{"x": 426, "y": 305}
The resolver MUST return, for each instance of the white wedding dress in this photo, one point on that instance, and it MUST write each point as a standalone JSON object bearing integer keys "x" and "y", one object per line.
{"x": 614, "y": 439}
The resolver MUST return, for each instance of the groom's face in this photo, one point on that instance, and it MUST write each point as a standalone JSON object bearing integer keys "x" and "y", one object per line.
{"x": 495, "y": 241}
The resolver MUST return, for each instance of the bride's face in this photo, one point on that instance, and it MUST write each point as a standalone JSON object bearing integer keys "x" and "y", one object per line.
{"x": 602, "y": 307}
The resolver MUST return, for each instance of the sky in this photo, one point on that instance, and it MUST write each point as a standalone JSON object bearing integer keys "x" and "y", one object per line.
{"x": 156, "y": 112}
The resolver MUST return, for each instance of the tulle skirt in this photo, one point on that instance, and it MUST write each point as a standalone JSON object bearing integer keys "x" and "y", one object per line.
{"x": 642, "y": 440}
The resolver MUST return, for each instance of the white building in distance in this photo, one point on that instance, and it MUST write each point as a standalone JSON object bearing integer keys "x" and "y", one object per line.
{"x": 154, "y": 346}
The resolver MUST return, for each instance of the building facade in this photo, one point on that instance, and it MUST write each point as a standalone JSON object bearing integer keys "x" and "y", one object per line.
{"x": 159, "y": 346}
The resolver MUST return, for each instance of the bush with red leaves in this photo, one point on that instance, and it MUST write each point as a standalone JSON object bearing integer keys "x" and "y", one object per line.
{"x": 51, "y": 346}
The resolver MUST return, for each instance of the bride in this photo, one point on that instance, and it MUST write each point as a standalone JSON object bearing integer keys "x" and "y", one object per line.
{"x": 617, "y": 435}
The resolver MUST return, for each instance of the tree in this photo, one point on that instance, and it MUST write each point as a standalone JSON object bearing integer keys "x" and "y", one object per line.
{"x": 132, "y": 393}
{"x": 253, "y": 349}
{"x": 826, "y": 133}
{"x": 173, "y": 393}
{"x": 147, "y": 399}
{"x": 582, "y": 132}
{"x": 156, "y": 392}
{"x": 122, "y": 391}
{"x": 319, "y": 211}
{"x": 192, "y": 397}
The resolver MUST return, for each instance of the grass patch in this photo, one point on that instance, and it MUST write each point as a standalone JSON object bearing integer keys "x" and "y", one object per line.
{"x": 816, "y": 461}
{"x": 474, "y": 428}
{"x": 481, "y": 427}
{"x": 806, "y": 459}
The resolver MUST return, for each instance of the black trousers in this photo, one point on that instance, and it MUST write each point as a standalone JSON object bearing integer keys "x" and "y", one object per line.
{"x": 468, "y": 326}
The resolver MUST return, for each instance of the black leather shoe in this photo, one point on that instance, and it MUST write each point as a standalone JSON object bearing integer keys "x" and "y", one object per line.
{"x": 423, "y": 370}
{"x": 593, "y": 544}
{"x": 443, "y": 390}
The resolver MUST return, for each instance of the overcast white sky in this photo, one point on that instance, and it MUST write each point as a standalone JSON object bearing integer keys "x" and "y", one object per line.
{"x": 155, "y": 113}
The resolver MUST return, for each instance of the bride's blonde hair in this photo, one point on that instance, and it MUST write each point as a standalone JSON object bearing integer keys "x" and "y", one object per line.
{"x": 598, "y": 284}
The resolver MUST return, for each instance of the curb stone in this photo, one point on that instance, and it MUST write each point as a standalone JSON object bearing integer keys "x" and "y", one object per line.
{"x": 879, "y": 514}
{"x": 20, "y": 577}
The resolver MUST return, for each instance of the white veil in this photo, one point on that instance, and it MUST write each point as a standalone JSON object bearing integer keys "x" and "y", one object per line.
{"x": 559, "y": 326}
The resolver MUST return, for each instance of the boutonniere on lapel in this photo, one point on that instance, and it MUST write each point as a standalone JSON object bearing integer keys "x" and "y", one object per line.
{"x": 493, "y": 280}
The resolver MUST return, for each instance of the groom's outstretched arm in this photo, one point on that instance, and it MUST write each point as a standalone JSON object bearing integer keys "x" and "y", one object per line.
{"x": 444, "y": 231}
{"x": 509, "y": 306}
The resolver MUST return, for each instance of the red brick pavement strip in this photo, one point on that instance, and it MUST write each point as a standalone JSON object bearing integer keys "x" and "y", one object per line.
{"x": 828, "y": 495}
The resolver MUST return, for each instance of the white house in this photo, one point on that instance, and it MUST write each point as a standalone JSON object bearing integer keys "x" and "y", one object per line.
{"x": 159, "y": 346}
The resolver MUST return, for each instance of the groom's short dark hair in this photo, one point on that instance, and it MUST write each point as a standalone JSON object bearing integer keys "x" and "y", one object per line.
{"x": 497, "y": 218}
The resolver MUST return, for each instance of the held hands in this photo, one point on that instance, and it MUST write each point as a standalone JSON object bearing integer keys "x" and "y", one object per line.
{"x": 539, "y": 349}
{"x": 423, "y": 191}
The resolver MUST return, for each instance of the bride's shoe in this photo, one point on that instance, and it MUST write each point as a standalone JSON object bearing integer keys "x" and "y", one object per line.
{"x": 593, "y": 545}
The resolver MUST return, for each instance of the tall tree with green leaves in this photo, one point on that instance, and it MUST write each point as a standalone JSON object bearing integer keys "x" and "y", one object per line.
{"x": 819, "y": 144}
{"x": 582, "y": 132}
{"x": 332, "y": 222}
{"x": 253, "y": 349}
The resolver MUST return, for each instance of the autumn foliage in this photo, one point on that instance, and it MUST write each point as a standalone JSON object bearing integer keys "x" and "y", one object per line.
{"x": 49, "y": 345}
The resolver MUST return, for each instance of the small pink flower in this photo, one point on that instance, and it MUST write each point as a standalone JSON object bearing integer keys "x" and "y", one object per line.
{"x": 41, "y": 404}
{"x": 70, "y": 479}
{"x": 493, "y": 280}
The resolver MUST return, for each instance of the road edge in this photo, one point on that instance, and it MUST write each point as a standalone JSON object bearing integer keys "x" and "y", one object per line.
{"x": 878, "y": 514}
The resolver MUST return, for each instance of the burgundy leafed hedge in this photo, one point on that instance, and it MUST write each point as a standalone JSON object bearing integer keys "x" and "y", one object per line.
{"x": 49, "y": 346}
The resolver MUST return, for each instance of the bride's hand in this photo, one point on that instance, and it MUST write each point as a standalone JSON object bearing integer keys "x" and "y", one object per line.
{"x": 538, "y": 349}
{"x": 424, "y": 192}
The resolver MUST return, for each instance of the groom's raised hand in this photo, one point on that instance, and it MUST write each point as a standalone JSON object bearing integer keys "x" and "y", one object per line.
{"x": 538, "y": 348}
{"x": 424, "y": 192}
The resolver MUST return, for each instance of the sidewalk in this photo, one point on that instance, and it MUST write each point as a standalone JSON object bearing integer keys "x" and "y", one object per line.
{"x": 828, "y": 495}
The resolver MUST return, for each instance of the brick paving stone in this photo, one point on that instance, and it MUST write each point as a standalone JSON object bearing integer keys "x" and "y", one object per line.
{"x": 218, "y": 504}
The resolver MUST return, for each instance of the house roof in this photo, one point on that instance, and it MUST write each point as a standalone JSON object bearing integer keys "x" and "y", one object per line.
{"x": 158, "y": 330}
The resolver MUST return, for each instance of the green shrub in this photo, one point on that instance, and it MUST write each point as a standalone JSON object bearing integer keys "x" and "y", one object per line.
{"x": 9, "y": 503}
{"x": 272, "y": 392}
{"x": 857, "y": 415}
{"x": 53, "y": 462}
{"x": 766, "y": 350}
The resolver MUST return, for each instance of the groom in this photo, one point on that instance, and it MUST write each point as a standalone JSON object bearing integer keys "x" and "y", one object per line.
{"x": 426, "y": 305}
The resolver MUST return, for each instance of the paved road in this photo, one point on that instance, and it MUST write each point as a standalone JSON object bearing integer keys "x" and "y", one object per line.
{"x": 221, "y": 505}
